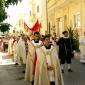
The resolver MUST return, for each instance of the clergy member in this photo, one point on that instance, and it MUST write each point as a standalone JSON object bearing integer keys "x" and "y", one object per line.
{"x": 22, "y": 50}
{"x": 82, "y": 48}
{"x": 15, "y": 52}
{"x": 10, "y": 46}
{"x": 34, "y": 48}
{"x": 48, "y": 70}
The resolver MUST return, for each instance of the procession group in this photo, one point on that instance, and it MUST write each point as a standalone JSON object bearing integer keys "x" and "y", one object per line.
{"x": 43, "y": 57}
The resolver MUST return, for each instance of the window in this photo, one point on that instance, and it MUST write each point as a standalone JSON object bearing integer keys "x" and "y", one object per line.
{"x": 30, "y": 12}
{"x": 65, "y": 21}
{"x": 77, "y": 20}
{"x": 37, "y": 9}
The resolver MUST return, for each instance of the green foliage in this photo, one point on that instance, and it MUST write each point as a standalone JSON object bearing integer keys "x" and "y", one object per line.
{"x": 74, "y": 35}
{"x": 4, "y": 27}
{"x": 3, "y": 5}
{"x": 3, "y": 15}
{"x": 11, "y": 2}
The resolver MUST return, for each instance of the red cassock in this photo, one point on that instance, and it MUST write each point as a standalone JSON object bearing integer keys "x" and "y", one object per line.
{"x": 35, "y": 60}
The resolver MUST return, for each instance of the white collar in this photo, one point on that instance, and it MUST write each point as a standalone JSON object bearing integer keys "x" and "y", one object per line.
{"x": 66, "y": 37}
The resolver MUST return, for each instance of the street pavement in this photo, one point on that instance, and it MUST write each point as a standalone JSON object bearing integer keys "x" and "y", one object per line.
{"x": 77, "y": 77}
{"x": 12, "y": 75}
{"x": 9, "y": 73}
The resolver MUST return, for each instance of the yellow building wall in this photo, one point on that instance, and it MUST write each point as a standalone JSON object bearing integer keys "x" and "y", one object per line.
{"x": 83, "y": 15}
{"x": 66, "y": 13}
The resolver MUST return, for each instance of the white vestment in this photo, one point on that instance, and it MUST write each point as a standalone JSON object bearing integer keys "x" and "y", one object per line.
{"x": 82, "y": 49}
{"x": 43, "y": 76}
{"x": 10, "y": 47}
{"x": 54, "y": 43}
{"x": 48, "y": 60}
{"x": 15, "y": 52}
{"x": 37, "y": 46}
{"x": 30, "y": 60}
{"x": 22, "y": 50}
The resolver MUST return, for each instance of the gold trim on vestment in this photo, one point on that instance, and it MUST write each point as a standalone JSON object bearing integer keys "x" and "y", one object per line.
{"x": 37, "y": 46}
{"x": 47, "y": 53}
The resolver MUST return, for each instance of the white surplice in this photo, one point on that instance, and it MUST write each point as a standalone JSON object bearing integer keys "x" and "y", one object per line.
{"x": 22, "y": 50}
{"x": 10, "y": 47}
{"x": 43, "y": 76}
{"x": 30, "y": 59}
{"x": 82, "y": 49}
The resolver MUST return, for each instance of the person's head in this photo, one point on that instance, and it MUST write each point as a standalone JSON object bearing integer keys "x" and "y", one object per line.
{"x": 36, "y": 36}
{"x": 47, "y": 40}
{"x": 22, "y": 36}
{"x": 65, "y": 33}
{"x": 25, "y": 38}
{"x": 54, "y": 34}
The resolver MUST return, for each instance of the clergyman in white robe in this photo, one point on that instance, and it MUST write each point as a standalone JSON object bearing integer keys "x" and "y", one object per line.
{"x": 15, "y": 51}
{"x": 10, "y": 46}
{"x": 33, "y": 47}
{"x": 15, "y": 47}
{"x": 82, "y": 49}
{"x": 44, "y": 76}
{"x": 22, "y": 51}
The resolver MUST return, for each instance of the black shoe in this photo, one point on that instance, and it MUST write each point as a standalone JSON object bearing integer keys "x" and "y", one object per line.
{"x": 62, "y": 71}
{"x": 32, "y": 82}
{"x": 69, "y": 70}
{"x": 16, "y": 64}
{"x": 23, "y": 71}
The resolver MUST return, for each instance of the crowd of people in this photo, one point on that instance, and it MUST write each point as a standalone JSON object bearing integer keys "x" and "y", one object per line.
{"x": 43, "y": 57}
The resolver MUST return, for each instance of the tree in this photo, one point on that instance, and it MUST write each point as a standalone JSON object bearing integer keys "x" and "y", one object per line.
{"x": 10, "y": 2}
{"x": 4, "y": 27}
{"x": 1, "y": 3}
{"x": 74, "y": 35}
{"x": 3, "y": 14}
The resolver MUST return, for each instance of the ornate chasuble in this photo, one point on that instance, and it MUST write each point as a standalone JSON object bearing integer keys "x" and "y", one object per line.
{"x": 47, "y": 52}
{"x": 44, "y": 74}
{"x": 26, "y": 47}
{"x": 37, "y": 46}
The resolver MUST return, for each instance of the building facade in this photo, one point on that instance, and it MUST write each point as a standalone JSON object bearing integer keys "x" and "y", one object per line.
{"x": 38, "y": 12}
{"x": 66, "y": 13}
